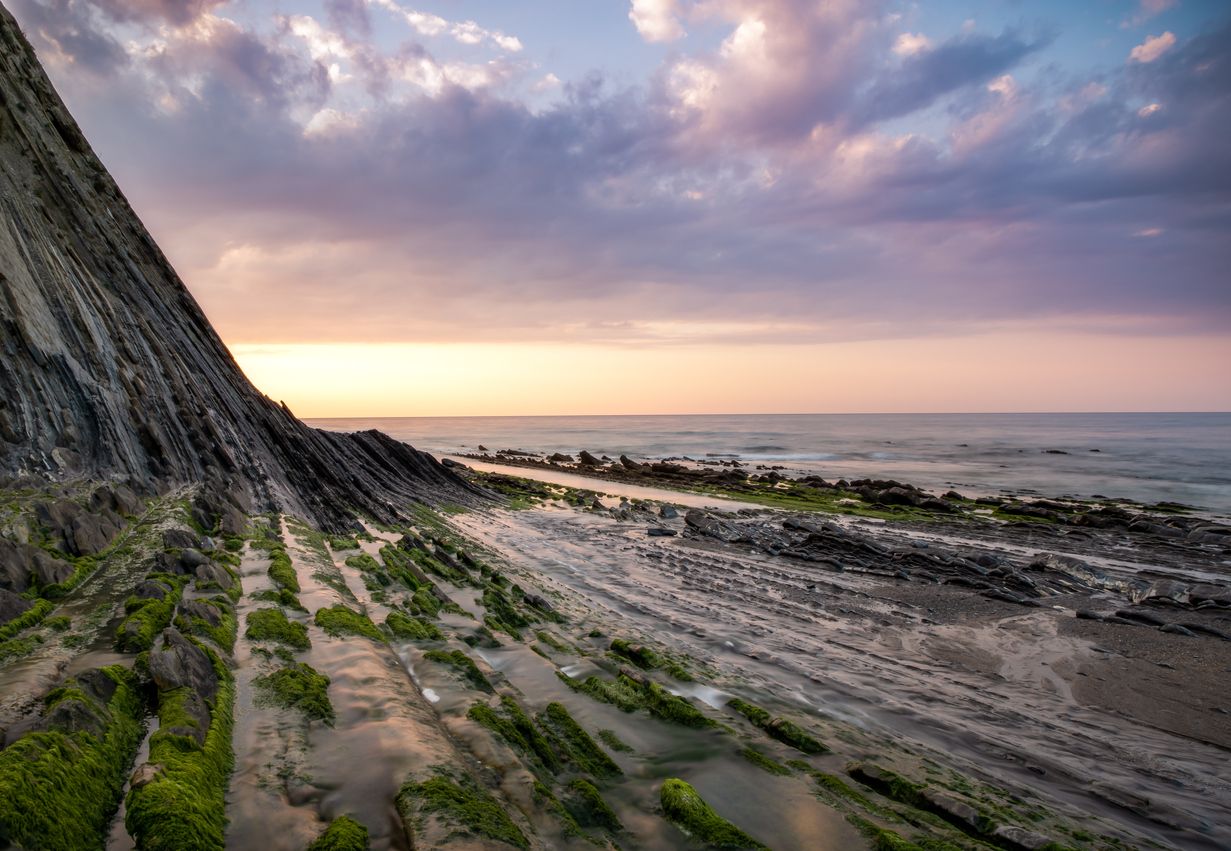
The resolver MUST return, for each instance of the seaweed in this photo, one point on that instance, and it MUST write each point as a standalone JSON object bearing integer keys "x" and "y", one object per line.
{"x": 459, "y": 660}
{"x": 516, "y": 728}
{"x": 611, "y": 740}
{"x": 880, "y": 838}
{"x": 588, "y": 809}
{"x": 281, "y": 570}
{"x": 581, "y": 750}
{"x": 273, "y": 625}
{"x": 183, "y": 805}
{"x": 787, "y": 732}
{"x": 147, "y": 618}
{"x": 29, "y": 618}
{"x": 344, "y": 834}
{"x": 299, "y": 686}
{"x": 761, "y": 761}
{"x": 415, "y": 629}
{"x": 687, "y": 809}
{"x": 60, "y": 787}
{"x": 461, "y": 804}
{"x": 339, "y": 621}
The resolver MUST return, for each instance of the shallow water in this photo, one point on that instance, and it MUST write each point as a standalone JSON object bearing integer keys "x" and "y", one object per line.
{"x": 832, "y": 646}
{"x": 1184, "y": 457}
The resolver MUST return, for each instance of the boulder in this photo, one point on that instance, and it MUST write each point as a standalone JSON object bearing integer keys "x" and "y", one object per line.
{"x": 151, "y": 589}
{"x": 192, "y": 558}
{"x": 668, "y": 512}
{"x": 12, "y": 605}
{"x": 179, "y": 539}
{"x": 560, "y": 458}
{"x": 202, "y": 610}
{"x": 216, "y": 573}
{"x": 175, "y": 661}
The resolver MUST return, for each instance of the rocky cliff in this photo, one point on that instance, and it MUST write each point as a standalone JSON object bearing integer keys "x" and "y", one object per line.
{"x": 109, "y": 369}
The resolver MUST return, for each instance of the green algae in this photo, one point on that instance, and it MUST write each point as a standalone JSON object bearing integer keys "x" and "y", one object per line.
{"x": 552, "y": 642}
{"x": 147, "y": 618}
{"x": 48, "y": 774}
{"x": 765, "y": 763}
{"x": 463, "y": 663}
{"x": 223, "y": 633}
{"x": 366, "y": 563}
{"x": 281, "y": 596}
{"x": 880, "y": 838}
{"x": 580, "y": 749}
{"x": 299, "y": 686}
{"x": 282, "y": 571}
{"x": 630, "y": 695}
{"x": 837, "y": 786}
{"x": 273, "y": 625}
{"x": 31, "y": 617}
{"x": 611, "y": 740}
{"x": 343, "y": 543}
{"x": 687, "y": 809}
{"x": 588, "y": 809}
{"x": 515, "y": 727}
{"x": 412, "y": 628}
{"x": 461, "y": 804}
{"x": 340, "y": 621}
{"x": 344, "y": 834}
{"x": 183, "y": 806}
{"x": 787, "y": 732}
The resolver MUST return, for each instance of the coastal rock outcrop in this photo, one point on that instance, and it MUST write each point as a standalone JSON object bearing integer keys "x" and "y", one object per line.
{"x": 108, "y": 367}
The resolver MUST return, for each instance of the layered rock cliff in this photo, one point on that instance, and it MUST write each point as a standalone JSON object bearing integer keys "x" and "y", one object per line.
{"x": 109, "y": 369}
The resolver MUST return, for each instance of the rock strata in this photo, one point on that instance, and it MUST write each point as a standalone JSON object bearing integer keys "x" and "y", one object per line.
{"x": 109, "y": 369}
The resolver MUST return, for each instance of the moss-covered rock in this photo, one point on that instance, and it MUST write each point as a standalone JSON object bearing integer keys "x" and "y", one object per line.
{"x": 683, "y": 806}
{"x": 282, "y": 571}
{"x": 463, "y": 663}
{"x": 588, "y": 809}
{"x": 580, "y": 749}
{"x": 180, "y": 804}
{"x": 461, "y": 804}
{"x": 299, "y": 686}
{"x": 412, "y": 628}
{"x": 273, "y": 625}
{"x": 763, "y": 762}
{"x": 513, "y": 725}
{"x": 340, "y": 621}
{"x": 782, "y": 729}
{"x": 58, "y": 787}
{"x": 344, "y": 834}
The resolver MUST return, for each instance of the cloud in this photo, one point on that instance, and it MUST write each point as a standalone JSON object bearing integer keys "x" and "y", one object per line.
{"x": 1146, "y": 10}
{"x": 657, "y": 20}
{"x": 909, "y": 44}
{"x": 768, "y": 185}
{"x": 463, "y": 32}
{"x": 1153, "y": 47}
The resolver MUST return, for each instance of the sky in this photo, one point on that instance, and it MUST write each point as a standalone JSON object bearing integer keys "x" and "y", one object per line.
{"x": 399, "y": 208}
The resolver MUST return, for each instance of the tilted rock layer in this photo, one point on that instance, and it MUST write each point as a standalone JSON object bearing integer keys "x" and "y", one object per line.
{"x": 109, "y": 369}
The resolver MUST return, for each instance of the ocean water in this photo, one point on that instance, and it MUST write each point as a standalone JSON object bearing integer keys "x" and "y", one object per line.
{"x": 1180, "y": 457}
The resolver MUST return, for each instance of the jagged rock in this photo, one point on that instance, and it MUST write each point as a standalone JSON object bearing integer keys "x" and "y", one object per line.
{"x": 1016, "y": 838}
{"x": 207, "y": 613}
{"x": 175, "y": 661}
{"x": 192, "y": 559}
{"x": 668, "y": 512}
{"x": 23, "y": 565}
{"x": 1162, "y": 592}
{"x": 210, "y": 572}
{"x": 151, "y": 589}
{"x": 12, "y": 605}
{"x": 109, "y": 369}
{"x": 560, "y": 458}
{"x": 76, "y": 531}
{"x": 179, "y": 539}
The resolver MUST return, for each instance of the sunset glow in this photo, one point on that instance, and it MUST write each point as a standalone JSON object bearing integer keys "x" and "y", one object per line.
{"x": 680, "y": 205}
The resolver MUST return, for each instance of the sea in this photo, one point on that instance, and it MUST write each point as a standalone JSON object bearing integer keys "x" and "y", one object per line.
{"x": 1147, "y": 457}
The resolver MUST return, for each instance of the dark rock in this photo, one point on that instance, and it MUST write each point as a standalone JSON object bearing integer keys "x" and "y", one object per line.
{"x": 1014, "y": 838}
{"x": 538, "y": 602}
{"x": 660, "y": 532}
{"x": 192, "y": 559}
{"x": 587, "y": 460}
{"x": 175, "y": 661}
{"x": 73, "y": 716}
{"x": 1148, "y": 618}
{"x": 630, "y": 464}
{"x": 215, "y": 573}
{"x": 450, "y": 464}
{"x": 12, "y": 605}
{"x": 560, "y": 458}
{"x": 178, "y": 539}
{"x": 954, "y": 495}
{"x": 202, "y": 610}
{"x": 151, "y": 589}
{"x": 953, "y": 810}
{"x": 1162, "y": 591}
{"x": 97, "y": 685}
{"x": 1176, "y": 629}
{"x": 668, "y": 512}
{"x": 1088, "y": 615}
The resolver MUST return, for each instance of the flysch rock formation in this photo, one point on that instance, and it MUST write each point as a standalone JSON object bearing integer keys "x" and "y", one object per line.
{"x": 108, "y": 367}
